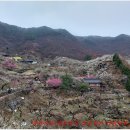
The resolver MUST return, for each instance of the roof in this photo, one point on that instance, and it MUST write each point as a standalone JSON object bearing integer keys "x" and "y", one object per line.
{"x": 27, "y": 61}
{"x": 92, "y": 80}
{"x": 17, "y": 57}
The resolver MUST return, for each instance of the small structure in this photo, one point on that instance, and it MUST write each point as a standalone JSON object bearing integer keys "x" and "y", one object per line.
{"x": 29, "y": 61}
{"x": 34, "y": 62}
{"x": 17, "y": 58}
{"x": 94, "y": 83}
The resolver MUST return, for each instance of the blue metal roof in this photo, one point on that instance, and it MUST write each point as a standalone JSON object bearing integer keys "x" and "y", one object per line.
{"x": 27, "y": 61}
{"x": 92, "y": 80}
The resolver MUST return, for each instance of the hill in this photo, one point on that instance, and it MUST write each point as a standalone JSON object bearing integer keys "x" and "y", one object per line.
{"x": 26, "y": 101}
{"x": 41, "y": 41}
{"x": 47, "y": 42}
{"x": 108, "y": 45}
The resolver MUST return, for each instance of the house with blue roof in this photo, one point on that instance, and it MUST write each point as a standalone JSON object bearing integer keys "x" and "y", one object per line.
{"x": 93, "y": 82}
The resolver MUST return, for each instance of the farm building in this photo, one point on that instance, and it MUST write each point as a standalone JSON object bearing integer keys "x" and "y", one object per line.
{"x": 95, "y": 83}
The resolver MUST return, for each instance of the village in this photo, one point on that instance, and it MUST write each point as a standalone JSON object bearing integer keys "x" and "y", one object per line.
{"x": 61, "y": 89}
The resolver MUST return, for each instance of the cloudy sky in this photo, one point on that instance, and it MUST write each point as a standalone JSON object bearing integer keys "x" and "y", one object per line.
{"x": 80, "y": 18}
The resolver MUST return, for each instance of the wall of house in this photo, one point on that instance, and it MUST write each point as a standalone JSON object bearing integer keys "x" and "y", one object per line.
{"x": 95, "y": 87}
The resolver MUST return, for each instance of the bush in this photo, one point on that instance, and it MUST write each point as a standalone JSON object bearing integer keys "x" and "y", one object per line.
{"x": 83, "y": 87}
{"x": 125, "y": 70}
{"x": 117, "y": 60}
{"x": 67, "y": 81}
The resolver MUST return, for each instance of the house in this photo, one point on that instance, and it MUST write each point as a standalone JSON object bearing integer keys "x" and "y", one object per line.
{"x": 17, "y": 58}
{"x": 94, "y": 83}
{"x": 29, "y": 61}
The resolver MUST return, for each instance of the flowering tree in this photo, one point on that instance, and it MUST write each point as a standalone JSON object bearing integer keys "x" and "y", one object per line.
{"x": 9, "y": 64}
{"x": 54, "y": 82}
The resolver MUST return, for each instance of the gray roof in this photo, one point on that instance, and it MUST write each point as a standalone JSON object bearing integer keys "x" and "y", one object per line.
{"x": 92, "y": 80}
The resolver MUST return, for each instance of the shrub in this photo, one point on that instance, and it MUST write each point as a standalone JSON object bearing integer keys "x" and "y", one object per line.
{"x": 87, "y": 57}
{"x": 117, "y": 60}
{"x": 54, "y": 82}
{"x": 83, "y": 87}
{"x": 9, "y": 64}
{"x": 67, "y": 81}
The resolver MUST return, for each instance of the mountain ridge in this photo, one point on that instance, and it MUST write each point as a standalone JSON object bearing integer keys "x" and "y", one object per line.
{"x": 48, "y": 42}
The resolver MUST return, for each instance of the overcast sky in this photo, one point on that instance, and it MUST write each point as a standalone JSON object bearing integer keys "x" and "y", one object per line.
{"x": 79, "y": 18}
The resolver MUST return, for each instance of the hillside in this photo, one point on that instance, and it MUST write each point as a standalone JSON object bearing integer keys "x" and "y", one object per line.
{"x": 47, "y": 42}
{"x": 41, "y": 42}
{"x": 27, "y": 101}
{"x": 108, "y": 45}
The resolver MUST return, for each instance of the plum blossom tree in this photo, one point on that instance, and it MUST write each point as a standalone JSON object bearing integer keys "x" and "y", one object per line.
{"x": 9, "y": 64}
{"x": 54, "y": 82}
